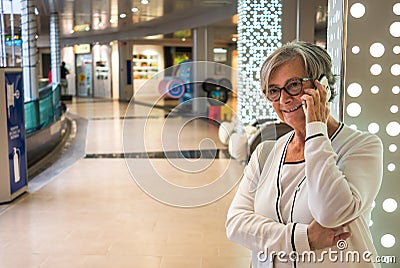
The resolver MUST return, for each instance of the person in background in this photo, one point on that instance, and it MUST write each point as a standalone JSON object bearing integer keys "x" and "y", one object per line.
{"x": 63, "y": 81}
{"x": 50, "y": 77}
{"x": 63, "y": 71}
{"x": 313, "y": 193}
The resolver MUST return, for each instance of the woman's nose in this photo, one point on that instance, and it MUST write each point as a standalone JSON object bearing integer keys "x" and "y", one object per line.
{"x": 285, "y": 97}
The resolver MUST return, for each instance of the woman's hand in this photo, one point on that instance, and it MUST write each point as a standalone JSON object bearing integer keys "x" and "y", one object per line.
{"x": 315, "y": 104}
{"x": 320, "y": 237}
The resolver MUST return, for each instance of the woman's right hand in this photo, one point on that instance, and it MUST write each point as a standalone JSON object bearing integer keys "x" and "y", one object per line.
{"x": 320, "y": 237}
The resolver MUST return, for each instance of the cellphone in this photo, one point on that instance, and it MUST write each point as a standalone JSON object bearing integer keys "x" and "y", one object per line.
{"x": 324, "y": 81}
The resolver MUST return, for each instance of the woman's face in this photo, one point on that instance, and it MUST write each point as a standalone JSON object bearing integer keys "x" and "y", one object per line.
{"x": 289, "y": 108}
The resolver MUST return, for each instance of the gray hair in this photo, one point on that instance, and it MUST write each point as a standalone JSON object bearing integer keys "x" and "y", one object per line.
{"x": 317, "y": 62}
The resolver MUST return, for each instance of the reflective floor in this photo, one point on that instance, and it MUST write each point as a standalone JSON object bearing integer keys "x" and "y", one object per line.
{"x": 134, "y": 187}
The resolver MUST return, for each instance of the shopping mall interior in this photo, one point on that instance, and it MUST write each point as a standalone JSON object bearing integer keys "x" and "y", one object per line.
{"x": 132, "y": 154}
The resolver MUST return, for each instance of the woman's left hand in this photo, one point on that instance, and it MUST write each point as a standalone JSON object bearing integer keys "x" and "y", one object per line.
{"x": 315, "y": 104}
{"x": 320, "y": 237}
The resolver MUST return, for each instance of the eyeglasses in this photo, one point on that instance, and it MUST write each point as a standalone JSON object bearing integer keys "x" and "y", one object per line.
{"x": 293, "y": 87}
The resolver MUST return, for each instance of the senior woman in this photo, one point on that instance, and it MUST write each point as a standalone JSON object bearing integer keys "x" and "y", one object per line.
{"x": 307, "y": 201}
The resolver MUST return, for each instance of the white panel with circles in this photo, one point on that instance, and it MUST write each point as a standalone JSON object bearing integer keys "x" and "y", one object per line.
{"x": 371, "y": 99}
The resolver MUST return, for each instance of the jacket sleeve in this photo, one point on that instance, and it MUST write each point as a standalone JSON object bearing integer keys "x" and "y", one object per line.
{"x": 257, "y": 232}
{"x": 341, "y": 190}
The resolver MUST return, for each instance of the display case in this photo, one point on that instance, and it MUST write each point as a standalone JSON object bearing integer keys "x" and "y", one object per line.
{"x": 144, "y": 66}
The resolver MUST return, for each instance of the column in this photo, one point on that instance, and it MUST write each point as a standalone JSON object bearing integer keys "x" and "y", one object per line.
{"x": 54, "y": 50}
{"x": 203, "y": 45}
{"x": 125, "y": 70}
{"x": 29, "y": 49}
{"x": 3, "y": 54}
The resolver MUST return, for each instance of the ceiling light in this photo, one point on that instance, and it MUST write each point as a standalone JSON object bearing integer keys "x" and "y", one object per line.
{"x": 122, "y": 15}
{"x": 144, "y": 2}
{"x": 219, "y": 50}
{"x": 216, "y": 2}
{"x": 134, "y": 9}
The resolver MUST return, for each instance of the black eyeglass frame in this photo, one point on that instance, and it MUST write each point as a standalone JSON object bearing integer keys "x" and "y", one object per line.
{"x": 304, "y": 79}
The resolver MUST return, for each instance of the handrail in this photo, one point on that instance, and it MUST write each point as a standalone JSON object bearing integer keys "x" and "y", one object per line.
{"x": 44, "y": 111}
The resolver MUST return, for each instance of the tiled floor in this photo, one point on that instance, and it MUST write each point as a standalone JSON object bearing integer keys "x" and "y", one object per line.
{"x": 91, "y": 212}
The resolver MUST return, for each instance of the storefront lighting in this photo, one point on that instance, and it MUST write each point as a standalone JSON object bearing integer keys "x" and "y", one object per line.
{"x": 81, "y": 27}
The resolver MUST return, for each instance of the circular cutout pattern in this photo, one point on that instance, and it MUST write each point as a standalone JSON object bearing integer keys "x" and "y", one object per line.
{"x": 388, "y": 240}
{"x": 389, "y": 205}
{"x": 354, "y": 90}
{"x": 357, "y": 10}
{"x": 353, "y": 109}
{"x": 377, "y": 50}
{"x": 376, "y": 69}
{"x": 394, "y": 29}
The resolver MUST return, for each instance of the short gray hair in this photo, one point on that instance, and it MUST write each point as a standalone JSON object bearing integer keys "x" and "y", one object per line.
{"x": 317, "y": 62}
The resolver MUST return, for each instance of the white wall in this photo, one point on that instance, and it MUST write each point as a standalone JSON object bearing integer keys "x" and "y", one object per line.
{"x": 102, "y": 74}
{"x": 68, "y": 55}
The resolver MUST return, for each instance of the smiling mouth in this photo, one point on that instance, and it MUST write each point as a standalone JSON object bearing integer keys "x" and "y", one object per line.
{"x": 292, "y": 110}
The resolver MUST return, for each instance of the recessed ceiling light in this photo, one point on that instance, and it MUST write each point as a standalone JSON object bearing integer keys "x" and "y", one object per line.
{"x": 216, "y": 2}
{"x": 134, "y": 9}
{"x": 144, "y": 2}
{"x": 122, "y": 15}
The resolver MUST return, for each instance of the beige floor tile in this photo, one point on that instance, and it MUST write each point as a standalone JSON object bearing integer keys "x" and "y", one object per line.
{"x": 231, "y": 262}
{"x": 21, "y": 259}
{"x": 125, "y": 261}
{"x": 64, "y": 261}
{"x": 175, "y": 262}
